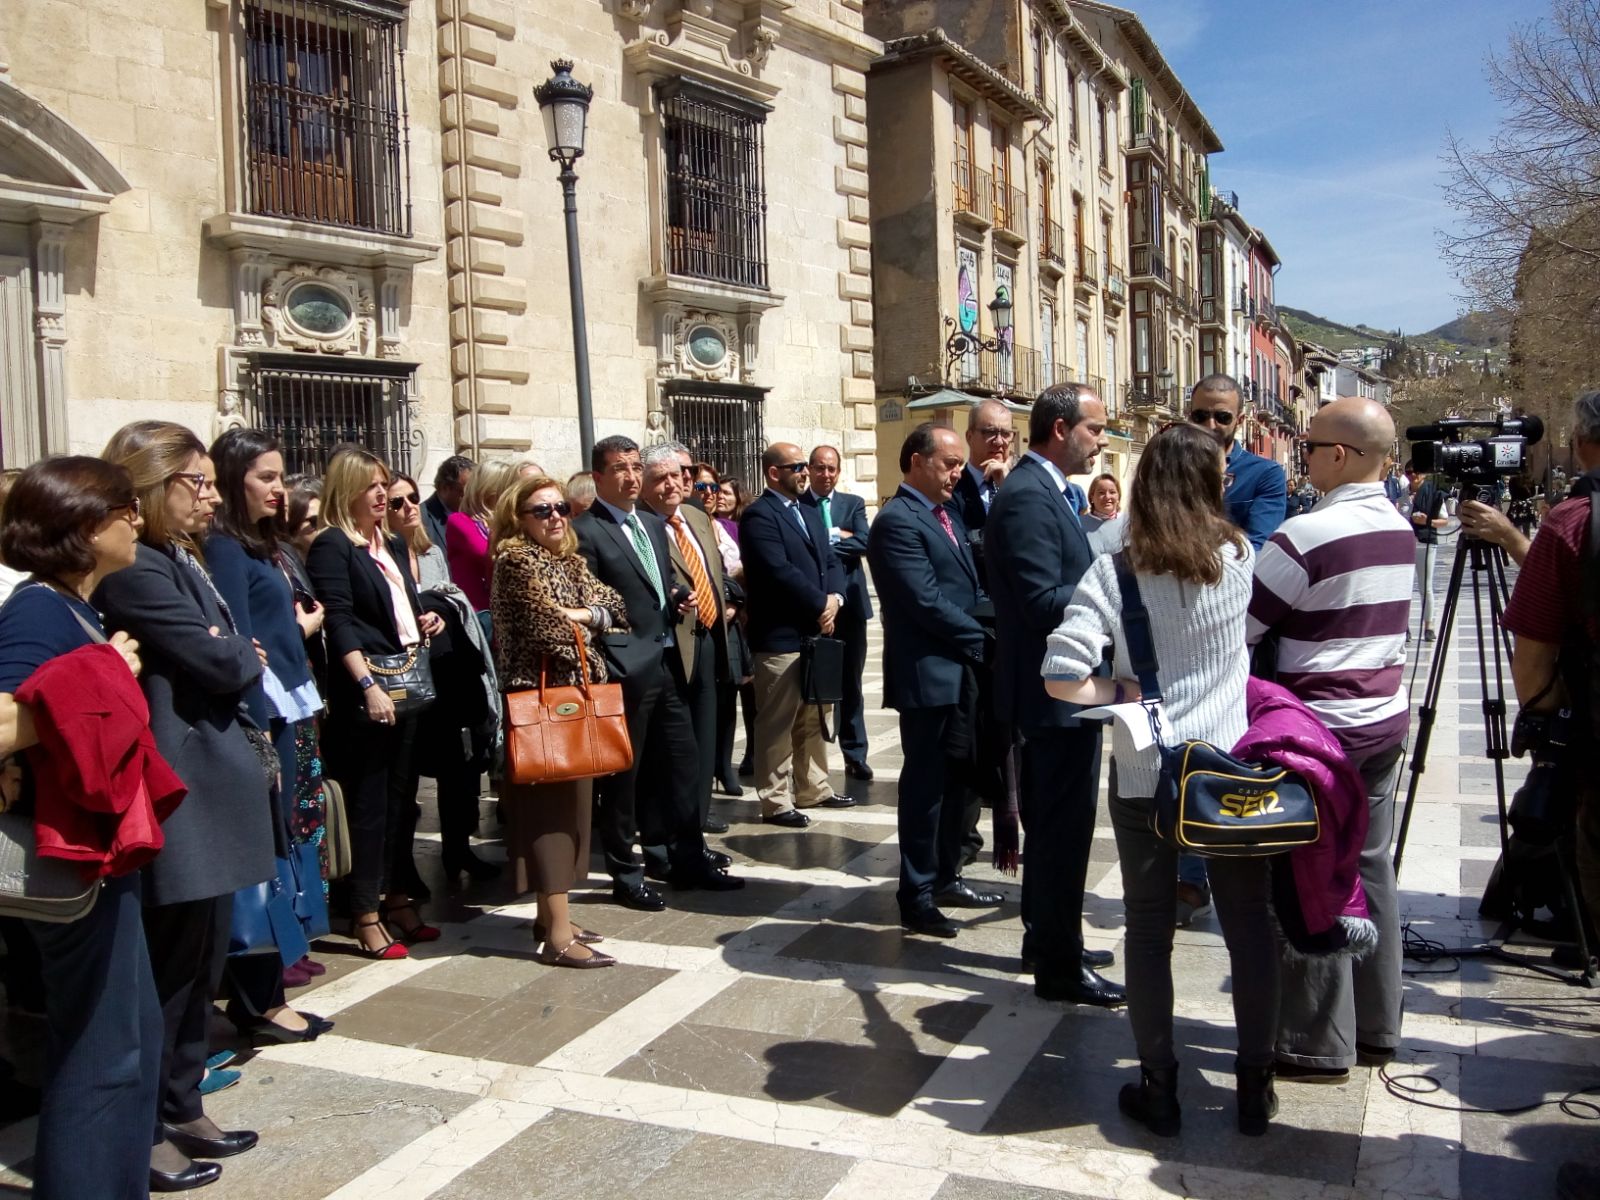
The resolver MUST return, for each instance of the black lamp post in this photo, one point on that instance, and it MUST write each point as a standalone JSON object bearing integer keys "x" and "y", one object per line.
{"x": 565, "y": 103}
{"x": 960, "y": 343}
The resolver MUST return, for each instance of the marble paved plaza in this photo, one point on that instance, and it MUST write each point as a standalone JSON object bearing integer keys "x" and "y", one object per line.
{"x": 788, "y": 1042}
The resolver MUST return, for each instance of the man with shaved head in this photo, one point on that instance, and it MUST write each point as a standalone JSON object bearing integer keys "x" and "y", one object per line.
{"x": 1334, "y": 585}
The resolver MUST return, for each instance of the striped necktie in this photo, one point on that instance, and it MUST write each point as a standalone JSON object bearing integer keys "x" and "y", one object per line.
{"x": 647, "y": 555}
{"x": 705, "y": 600}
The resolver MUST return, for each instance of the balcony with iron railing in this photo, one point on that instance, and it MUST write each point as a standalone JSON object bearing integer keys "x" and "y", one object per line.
{"x": 1144, "y": 142}
{"x": 1052, "y": 245}
{"x": 1211, "y": 311}
{"x": 1011, "y": 212}
{"x": 1014, "y": 370}
{"x": 1146, "y": 262}
{"x": 1152, "y": 399}
{"x": 1241, "y": 302}
{"x": 1266, "y": 310}
{"x": 1219, "y": 205}
{"x": 974, "y": 193}
{"x": 1116, "y": 288}
{"x": 1184, "y": 298}
{"x": 1087, "y": 275}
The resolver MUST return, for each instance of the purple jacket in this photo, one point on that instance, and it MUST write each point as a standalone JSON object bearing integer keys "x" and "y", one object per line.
{"x": 1316, "y": 889}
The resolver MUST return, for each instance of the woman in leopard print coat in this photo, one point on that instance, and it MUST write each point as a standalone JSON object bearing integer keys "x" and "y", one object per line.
{"x": 539, "y": 588}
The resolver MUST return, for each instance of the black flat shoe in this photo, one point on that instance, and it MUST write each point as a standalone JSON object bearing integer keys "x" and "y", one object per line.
{"x": 1084, "y": 988}
{"x": 718, "y": 860}
{"x": 1096, "y": 959}
{"x": 195, "y": 1175}
{"x": 961, "y": 894}
{"x": 930, "y": 922}
{"x": 226, "y": 1146}
{"x": 707, "y": 881}
{"x": 638, "y": 895}
{"x": 789, "y": 818}
{"x": 858, "y": 770}
{"x": 1153, "y": 1101}
{"x": 714, "y": 825}
{"x": 837, "y": 801}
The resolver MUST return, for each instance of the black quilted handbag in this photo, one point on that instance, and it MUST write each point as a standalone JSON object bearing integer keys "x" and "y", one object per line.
{"x": 407, "y": 678}
{"x": 1207, "y": 801}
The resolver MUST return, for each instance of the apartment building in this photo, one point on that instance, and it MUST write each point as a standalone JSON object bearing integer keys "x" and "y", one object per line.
{"x": 337, "y": 219}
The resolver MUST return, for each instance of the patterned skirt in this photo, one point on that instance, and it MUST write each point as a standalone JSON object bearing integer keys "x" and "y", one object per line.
{"x": 307, "y": 814}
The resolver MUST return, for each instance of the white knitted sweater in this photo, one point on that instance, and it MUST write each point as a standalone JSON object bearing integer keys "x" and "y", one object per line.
{"x": 1200, "y": 648}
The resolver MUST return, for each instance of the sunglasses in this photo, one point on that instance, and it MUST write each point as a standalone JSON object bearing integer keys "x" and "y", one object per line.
{"x": 544, "y": 511}
{"x": 708, "y": 487}
{"x": 1221, "y": 416}
{"x": 396, "y": 503}
{"x": 1307, "y": 446}
{"x": 794, "y": 468}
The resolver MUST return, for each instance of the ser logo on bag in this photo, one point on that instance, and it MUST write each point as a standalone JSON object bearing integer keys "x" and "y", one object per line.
{"x": 1235, "y": 805}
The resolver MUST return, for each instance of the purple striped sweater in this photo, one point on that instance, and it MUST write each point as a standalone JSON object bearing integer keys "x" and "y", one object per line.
{"x": 1335, "y": 586}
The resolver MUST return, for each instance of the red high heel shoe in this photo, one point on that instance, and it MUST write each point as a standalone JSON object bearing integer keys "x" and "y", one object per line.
{"x": 390, "y": 950}
{"x": 420, "y": 932}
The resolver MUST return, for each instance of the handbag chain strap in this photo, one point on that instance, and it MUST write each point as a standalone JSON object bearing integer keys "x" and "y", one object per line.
{"x": 410, "y": 662}
{"x": 1141, "y": 643}
{"x": 583, "y": 663}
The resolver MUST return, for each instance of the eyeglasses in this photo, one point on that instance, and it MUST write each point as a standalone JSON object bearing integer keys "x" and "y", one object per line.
{"x": 1307, "y": 446}
{"x": 708, "y": 487}
{"x": 543, "y": 511}
{"x": 195, "y": 479}
{"x": 990, "y": 434}
{"x": 1220, "y": 416}
{"x": 131, "y": 508}
{"x": 794, "y": 468}
{"x": 396, "y": 503}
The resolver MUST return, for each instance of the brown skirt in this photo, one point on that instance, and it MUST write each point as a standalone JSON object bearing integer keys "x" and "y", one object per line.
{"x": 547, "y": 834}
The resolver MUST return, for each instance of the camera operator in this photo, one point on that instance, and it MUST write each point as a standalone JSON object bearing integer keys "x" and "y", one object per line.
{"x": 1425, "y": 508}
{"x": 1555, "y": 615}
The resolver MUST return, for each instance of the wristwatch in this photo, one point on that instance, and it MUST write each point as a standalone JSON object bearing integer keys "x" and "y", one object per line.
{"x": 365, "y": 682}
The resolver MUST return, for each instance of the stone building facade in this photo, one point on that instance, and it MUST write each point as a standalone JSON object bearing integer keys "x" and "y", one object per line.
{"x": 337, "y": 218}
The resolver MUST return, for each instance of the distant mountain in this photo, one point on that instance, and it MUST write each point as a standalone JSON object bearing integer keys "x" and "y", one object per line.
{"x": 1478, "y": 330}
{"x": 1471, "y": 331}
{"x": 1309, "y": 327}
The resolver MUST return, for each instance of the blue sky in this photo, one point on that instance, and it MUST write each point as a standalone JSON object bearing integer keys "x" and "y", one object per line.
{"x": 1334, "y": 114}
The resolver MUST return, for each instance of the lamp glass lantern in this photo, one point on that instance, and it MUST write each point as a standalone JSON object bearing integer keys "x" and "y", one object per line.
{"x": 565, "y": 104}
{"x": 1000, "y": 308}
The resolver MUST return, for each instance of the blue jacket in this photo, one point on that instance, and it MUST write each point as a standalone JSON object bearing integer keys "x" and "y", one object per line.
{"x": 927, "y": 589}
{"x": 849, "y": 512}
{"x": 261, "y": 602}
{"x": 788, "y": 576}
{"x": 1257, "y": 496}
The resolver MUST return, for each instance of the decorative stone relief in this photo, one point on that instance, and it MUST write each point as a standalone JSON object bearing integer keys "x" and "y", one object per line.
{"x": 703, "y": 345}
{"x": 320, "y": 309}
{"x": 634, "y": 10}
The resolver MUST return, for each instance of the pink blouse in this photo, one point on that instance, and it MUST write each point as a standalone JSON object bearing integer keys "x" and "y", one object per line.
{"x": 466, "y": 549}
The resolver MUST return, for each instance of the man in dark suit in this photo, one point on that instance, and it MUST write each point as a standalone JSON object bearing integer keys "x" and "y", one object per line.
{"x": 1037, "y": 553}
{"x": 932, "y": 646}
{"x": 989, "y": 439}
{"x": 701, "y": 633}
{"x": 795, "y": 589}
{"x": 654, "y": 799}
{"x": 845, "y": 518}
{"x": 449, "y": 487}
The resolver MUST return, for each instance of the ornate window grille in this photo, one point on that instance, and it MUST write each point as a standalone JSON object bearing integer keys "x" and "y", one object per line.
{"x": 313, "y": 409}
{"x": 325, "y": 134}
{"x": 721, "y": 424}
{"x": 716, "y": 194}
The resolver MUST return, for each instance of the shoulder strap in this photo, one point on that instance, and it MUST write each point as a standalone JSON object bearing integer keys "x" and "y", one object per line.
{"x": 1136, "y": 628}
{"x": 94, "y": 634}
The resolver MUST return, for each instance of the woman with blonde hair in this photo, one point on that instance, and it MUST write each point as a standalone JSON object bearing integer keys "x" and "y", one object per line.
{"x": 198, "y": 672}
{"x": 544, "y": 599}
{"x": 372, "y": 609}
{"x": 466, "y": 533}
{"x": 1194, "y": 573}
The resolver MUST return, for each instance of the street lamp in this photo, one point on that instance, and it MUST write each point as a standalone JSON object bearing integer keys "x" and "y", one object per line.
{"x": 961, "y": 343}
{"x": 565, "y": 103}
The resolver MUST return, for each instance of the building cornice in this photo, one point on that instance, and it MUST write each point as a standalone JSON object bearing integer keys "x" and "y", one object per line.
{"x": 1083, "y": 42}
{"x": 967, "y": 67}
{"x": 1150, "y": 54}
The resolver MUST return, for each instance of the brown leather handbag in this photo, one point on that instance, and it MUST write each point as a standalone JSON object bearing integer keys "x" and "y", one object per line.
{"x": 556, "y": 734}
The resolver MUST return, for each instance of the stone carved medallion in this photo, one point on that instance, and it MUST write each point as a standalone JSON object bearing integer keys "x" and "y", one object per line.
{"x": 320, "y": 309}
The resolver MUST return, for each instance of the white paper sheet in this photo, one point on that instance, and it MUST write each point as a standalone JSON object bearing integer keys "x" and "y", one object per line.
{"x": 1134, "y": 719}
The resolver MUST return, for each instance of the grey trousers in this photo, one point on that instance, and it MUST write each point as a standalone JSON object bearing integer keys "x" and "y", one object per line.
{"x": 1331, "y": 1003}
{"x": 1241, "y": 889}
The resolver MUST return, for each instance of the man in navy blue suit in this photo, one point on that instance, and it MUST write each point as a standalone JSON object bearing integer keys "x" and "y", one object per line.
{"x": 1037, "y": 552}
{"x": 845, "y": 518}
{"x": 795, "y": 589}
{"x": 932, "y": 646}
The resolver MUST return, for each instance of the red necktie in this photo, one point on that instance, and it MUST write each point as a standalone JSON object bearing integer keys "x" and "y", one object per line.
{"x": 944, "y": 521}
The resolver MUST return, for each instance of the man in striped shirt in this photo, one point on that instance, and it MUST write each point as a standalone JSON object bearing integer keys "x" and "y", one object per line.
{"x": 1334, "y": 587}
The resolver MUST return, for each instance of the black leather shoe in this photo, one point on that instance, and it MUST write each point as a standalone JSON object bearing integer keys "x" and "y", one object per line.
{"x": 729, "y": 785}
{"x": 960, "y": 894}
{"x": 1084, "y": 988}
{"x": 837, "y": 801}
{"x": 1096, "y": 959}
{"x": 718, "y": 860}
{"x": 707, "y": 881}
{"x": 714, "y": 824}
{"x": 195, "y": 1175}
{"x": 226, "y": 1146}
{"x": 789, "y": 818}
{"x": 638, "y": 895}
{"x": 858, "y": 770}
{"x": 929, "y": 921}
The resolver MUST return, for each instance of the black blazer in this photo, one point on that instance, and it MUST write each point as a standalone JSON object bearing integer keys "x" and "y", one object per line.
{"x": 434, "y": 516}
{"x": 927, "y": 591}
{"x": 967, "y": 504}
{"x": 1036, "y": 553}
{"x": 220, "y": 839}
{"x": 358, "y": 612}
{"x": 849, "y": 512}
{"x": 788, "y": 577}
{"x": 607, "y": 548}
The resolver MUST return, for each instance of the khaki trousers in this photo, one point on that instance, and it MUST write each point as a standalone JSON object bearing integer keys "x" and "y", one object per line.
{"x": 791, "y": 759}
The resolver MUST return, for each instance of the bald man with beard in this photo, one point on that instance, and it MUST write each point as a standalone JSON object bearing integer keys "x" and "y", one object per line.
{"x": 1334, "y": 585}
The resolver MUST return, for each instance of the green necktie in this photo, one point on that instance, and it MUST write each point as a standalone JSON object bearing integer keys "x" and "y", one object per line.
{"x": 827, "y": 511}
{"x": 647, "y": 555}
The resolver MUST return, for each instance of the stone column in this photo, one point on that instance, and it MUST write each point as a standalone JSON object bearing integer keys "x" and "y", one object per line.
{"x": 50, "y": 329}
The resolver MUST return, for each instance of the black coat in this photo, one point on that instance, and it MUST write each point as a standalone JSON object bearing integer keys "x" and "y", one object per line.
{"x": 220, "y": 839}
{"x": 927, "y": 591}
{"x": 359, "y": 614}
{"x": 850, "y": 512}
{"x": 788, "y": 576}
{"x": 434, "y": 516}
{"x": 608, "y": 549}
{"x": 1036, "y": 552}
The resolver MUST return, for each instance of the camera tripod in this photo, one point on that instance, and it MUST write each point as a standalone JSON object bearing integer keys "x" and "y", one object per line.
{"x": 1487, "y": 563}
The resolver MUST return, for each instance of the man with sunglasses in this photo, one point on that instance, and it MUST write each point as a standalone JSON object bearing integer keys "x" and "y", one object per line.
{"x": 1257, "y": 496}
